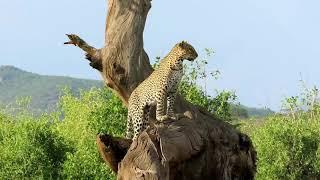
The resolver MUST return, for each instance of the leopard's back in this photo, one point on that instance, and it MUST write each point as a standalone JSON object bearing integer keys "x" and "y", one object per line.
{"x": 147, "y": 90}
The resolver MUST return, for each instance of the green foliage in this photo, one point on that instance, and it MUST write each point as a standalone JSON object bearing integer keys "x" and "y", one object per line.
{"x": 288, "y": 145}
{"x": 30, "y": 148}
{"x": 60, "y": 145}
{"x": 93, "y": 112}
{"x": 287, "y": 149}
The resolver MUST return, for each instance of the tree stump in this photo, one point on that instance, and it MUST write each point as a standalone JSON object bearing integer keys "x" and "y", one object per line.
{"x": 197, "y": 145}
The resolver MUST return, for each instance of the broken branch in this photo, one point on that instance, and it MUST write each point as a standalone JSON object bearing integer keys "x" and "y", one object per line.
{"x": 92, "y": 54}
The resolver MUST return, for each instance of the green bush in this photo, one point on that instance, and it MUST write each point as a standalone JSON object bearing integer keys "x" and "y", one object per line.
{"x": 288, "y": 145}
{"x": 61, "y": 144}
{"x": 287, "y": 149}
{"x": 30, "y": 148}
{"x": 95, "y": 111}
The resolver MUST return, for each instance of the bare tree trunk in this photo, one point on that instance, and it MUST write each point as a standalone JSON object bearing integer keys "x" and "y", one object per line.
{"x": 196, "y": 146}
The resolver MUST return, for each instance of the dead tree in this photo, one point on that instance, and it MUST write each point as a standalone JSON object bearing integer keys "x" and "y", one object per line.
{"x": 196, "y": 146}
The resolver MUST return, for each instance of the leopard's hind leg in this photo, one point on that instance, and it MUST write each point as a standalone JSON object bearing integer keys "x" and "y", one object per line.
{"x": 161, "y": 103}
{"x": 137, "y": 120}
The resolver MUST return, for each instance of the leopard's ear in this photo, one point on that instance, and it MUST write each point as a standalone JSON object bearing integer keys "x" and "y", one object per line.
{"x": 183, "y": 44}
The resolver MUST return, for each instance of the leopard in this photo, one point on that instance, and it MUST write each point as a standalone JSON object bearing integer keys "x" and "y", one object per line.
{"x": 159, "y": 89}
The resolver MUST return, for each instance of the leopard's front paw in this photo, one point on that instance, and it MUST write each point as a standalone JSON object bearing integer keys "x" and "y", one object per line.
{"x": 162, "y": 118}
{"x": 173, "y": 117}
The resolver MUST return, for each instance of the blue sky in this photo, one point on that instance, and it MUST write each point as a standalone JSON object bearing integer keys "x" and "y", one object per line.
{"x": 263, "y": 48}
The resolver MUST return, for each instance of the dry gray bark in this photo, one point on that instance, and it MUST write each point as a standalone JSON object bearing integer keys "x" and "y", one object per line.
{"x": 196, "y": 146}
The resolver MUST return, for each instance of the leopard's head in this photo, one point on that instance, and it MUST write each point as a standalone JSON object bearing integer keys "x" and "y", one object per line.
{"x": 185, "y": 51}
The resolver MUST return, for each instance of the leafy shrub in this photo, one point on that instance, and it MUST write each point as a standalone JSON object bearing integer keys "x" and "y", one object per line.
{"x": 97, "y": 110}
{"x": 30, "y": 148}
{"x": 61, "y": 144}
{"x": 287, "y": 149}
{"x": 288, "y": 145}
